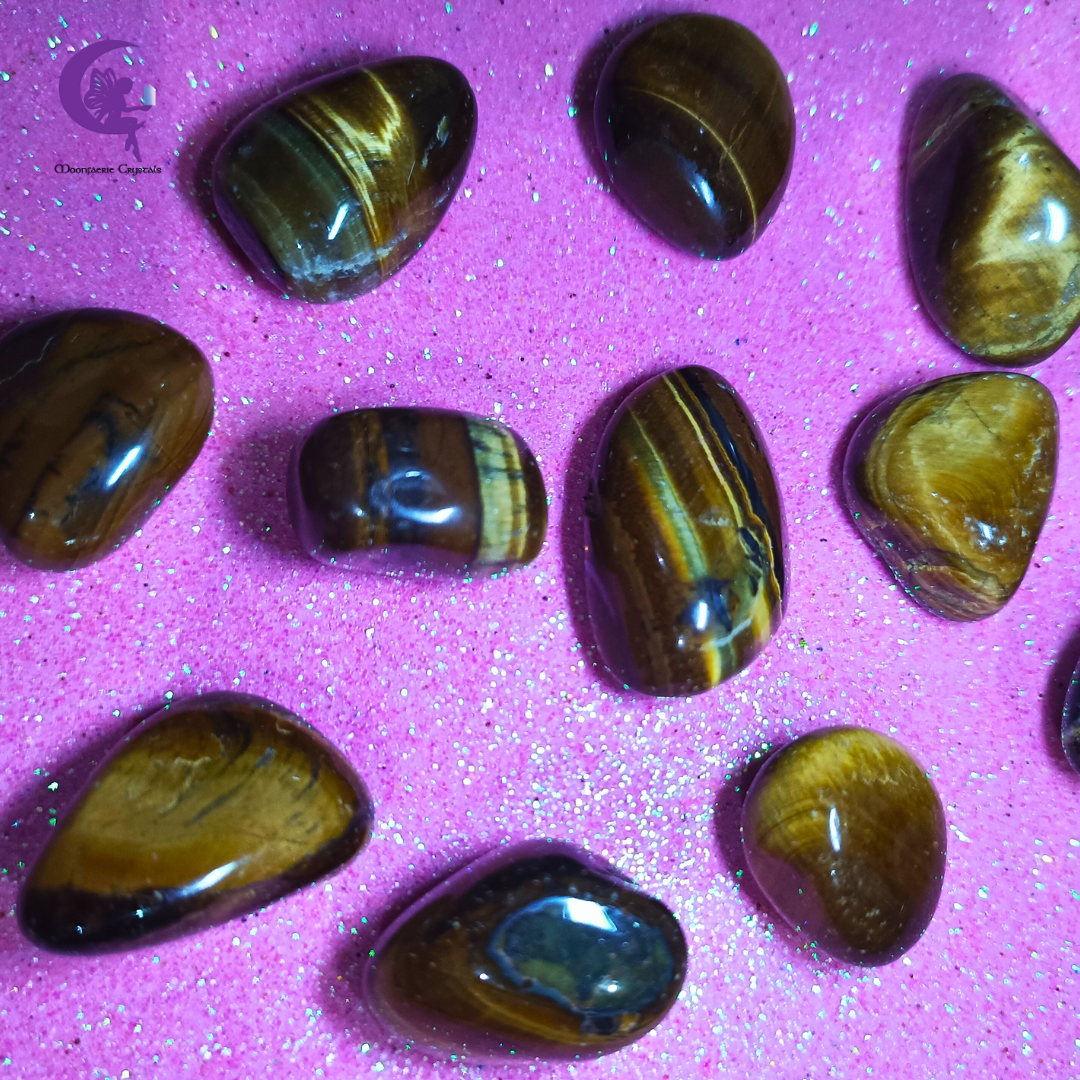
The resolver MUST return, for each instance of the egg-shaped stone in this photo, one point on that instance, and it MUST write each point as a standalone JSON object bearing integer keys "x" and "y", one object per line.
{"x": 331, "y": 188}
{"x": 845, "y": 835}
{"x": 533, "y": 951}
{"x": 209, "y": 809}
{"x": 950, "y": 483}
{"x": 396, "y": 489}
{"x": 993, "y": 224}
{"x": 696, "y": 126}
{"x": 1070, "y": 721}
{"x": 684, "y": 564}
{"x": 101, "y": 413}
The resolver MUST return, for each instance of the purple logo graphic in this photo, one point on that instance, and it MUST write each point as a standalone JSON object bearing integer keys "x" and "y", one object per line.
{"x": 101, "y": 109}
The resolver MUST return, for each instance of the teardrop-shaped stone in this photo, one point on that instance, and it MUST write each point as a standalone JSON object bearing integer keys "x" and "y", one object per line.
{"x": 404, "y": 488}
{"x": 1070, "y": 721}
{"x": 695, "y": 122}
{"x": 993, "y": 224}
{"x": 331, "y": 188}
{"x": 845, "y": 835}
{"x": 950, "y": 483}
{"x": 211, "y": 808}
{"x": 101, "y": 413}
{"x": 538, "y": 950}
{"x": 684, "y": 571}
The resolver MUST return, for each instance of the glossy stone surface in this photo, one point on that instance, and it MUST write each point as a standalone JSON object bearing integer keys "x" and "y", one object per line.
{"x": 101, "y": 413}
{"x": 950, "y": 483}
{"x": 331, "y": 188}
{"x": 993, "y": 224}
{"x": 695, "y": 122}
{"x": 211, "y": 808}
{"x": 401, "y": 488}
{"x": 536, "y": 950}
{"x": 846, "y": 837}
{"x": 1070, "y": 721}
{"x": 684, "y": 571}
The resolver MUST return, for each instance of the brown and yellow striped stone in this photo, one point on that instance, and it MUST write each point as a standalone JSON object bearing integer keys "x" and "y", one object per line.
{"x": 401, "y": 488}
{"x": 331, "y": 188}
{"x": 845, "y": 835}
{"x": 993, "y": 224}
{"x": 685, "y": 554}
{"x": 209, "y": 809}
{"x": 101, "y": 413}
{"x": 950, "y": 483}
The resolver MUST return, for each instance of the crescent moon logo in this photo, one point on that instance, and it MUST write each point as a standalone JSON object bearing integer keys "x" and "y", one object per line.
{"x": 106, "y": 96}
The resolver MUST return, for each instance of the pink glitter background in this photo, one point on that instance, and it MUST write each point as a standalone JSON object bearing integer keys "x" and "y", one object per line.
{"x": 474, "y": 709}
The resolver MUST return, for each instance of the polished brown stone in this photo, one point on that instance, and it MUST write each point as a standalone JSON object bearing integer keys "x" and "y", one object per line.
{"x": 695, "y": 122}
{"x": 404, "y": 488}
{"x": 846, "y": 837}
{"x": 101, "y": 413}
{"x": 684, "y": 571}
{"x": 993, "y": 224}
{"x": 333, "y": 187}
{"x": 951, "y": 482}
{"x": 1070, "y": 721}
{"x": 211, "y": 808}
{"x": 533, "y": 951}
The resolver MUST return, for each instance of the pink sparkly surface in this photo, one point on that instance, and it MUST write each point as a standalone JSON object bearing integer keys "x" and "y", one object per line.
{"x": 474, "y": 709}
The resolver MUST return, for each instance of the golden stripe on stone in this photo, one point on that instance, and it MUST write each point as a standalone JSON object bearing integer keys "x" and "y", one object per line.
{"x": 685, "y": 556}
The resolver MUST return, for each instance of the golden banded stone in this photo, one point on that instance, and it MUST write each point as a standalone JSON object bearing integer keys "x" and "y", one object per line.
{"x": 951, "y": 483}
{"x": 993, "y": 224}
{"x": 209, "y": 809}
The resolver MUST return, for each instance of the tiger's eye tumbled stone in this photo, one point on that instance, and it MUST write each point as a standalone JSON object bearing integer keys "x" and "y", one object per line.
{"x": 538, "y": 950}
{"x": 400, "y": 488}
{"x": 950, "y": 483}
{"x": 695, "y": 122}
{"x": 684, "y": 571}
{"x": 331, "y": 188}
{"x": 101, "y": 413}
{"x": 1070, "y": 721}
{"x": 211, "y": 808}
{"x": 993, "y": 224}
{"x": 846, "y": 837}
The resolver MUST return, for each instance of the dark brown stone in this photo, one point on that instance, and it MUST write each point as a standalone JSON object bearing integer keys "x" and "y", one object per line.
{"x": 846, "y": 837}
{"x": 333, "y": 187}
{"x": 951, "y": 482}
{"x": 993, "y": 224}
{"x": 684, "y": 571}
{"x": 405, "y": 488}
{"x": 695, "y": 122}
{"x": 211, "y": 808}
{"x": 538, "y": 950}
{"x": 101, "y": 413}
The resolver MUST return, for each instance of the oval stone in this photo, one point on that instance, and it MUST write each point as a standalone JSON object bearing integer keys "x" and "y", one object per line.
{"x": 950, "y": 483}
{"x": 534, "y": 951}
{"x": 695, "y": 122}
{"x": 1070, "y": 721}
{"x": 846, "y": 837}
{"x": 211, "y": 808}
{"x": 993, "y": 224}
{"x": 405, "y": 488}
{"x": 684, "y": 564}
{"x": 333, "y": 187}
{"x": 101, "y": 413}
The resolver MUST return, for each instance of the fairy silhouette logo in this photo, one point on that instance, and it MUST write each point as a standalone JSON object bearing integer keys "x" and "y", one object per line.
{"x": 102, "y": 107}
